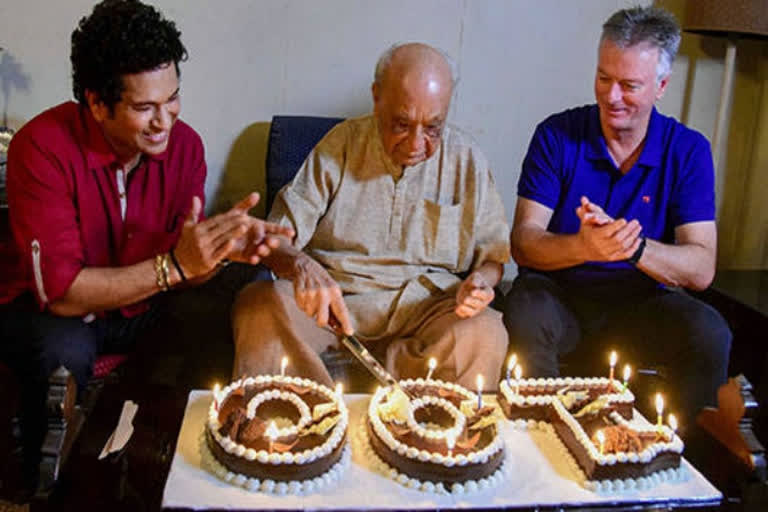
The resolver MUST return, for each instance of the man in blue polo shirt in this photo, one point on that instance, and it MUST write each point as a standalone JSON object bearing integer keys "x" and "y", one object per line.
{"x": 615, "y": 208}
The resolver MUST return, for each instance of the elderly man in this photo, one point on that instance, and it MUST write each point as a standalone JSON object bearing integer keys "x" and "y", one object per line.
{"x": 105, "y": 198}
{"x": 615, "y": 208}
{"x": 388, "y": 209}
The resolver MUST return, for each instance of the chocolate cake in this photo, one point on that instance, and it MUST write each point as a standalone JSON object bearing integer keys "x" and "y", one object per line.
{"x": 277, "y": 434}
{"x": 531, "y": 399}
{"x": 437, "y": 441}
{"x": 614, "y": 453}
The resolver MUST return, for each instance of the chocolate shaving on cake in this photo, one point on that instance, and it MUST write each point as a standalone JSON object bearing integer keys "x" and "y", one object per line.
{"x": 619, "y": 438}
{"x": 252, "y": 430}
{"x": 239, "y": 390}
{"x": 399, "y": 430}
{"x": 284, "y": 447}
{"x": 231, "y": 427}
{"x": 468, "y": 443}
{"x": 485, "y": 411}
{"x": 299, "y": 390}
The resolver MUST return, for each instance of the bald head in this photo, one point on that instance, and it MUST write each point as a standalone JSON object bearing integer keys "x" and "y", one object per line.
{"x": 413, "y": 56}
{"x": 411, "y": 94}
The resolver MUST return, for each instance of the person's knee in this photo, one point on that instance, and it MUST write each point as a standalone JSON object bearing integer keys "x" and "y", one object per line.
{"x": 74, "y": 348}
{"x": 532, "y": 297}
{"x": 709, "y": 333}
{"x": 254, "y": 297}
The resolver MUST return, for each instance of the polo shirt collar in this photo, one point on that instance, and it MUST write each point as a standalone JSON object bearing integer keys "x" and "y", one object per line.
{"x": 651, "y": 155}
{"x": 98, "y": 151}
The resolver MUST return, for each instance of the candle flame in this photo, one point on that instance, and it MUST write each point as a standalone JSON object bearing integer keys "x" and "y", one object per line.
{"x": 512, "y": 361}
{"x": 672, "y": 422}
{"x": 518, "y": 372}
{"x": 216, "y": 390}
{"x": 271, "y": 432}
{"x": 283, "y": 364}
{"x": 659, "y": 403}
{"x": 600, "y": 437}
{"x": 614, "y": 358}
{"x": 432, "y": 364}
{"x": 627, "y": 372}
{"x": 480, "y": 382}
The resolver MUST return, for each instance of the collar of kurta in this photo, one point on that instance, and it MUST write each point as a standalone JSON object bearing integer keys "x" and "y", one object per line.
{"x": 98, "y": 151}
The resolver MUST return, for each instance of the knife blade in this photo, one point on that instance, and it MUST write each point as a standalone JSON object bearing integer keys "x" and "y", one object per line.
{"x": 365, "y": 357}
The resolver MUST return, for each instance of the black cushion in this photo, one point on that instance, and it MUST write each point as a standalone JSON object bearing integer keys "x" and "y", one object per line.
{"x": 291, "y": 138}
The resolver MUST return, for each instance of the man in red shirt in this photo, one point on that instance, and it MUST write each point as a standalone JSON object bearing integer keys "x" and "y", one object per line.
{"x": 105, "y": 198}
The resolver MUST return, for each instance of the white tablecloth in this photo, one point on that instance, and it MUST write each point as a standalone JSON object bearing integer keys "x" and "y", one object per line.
{"x": 537, "y": 478}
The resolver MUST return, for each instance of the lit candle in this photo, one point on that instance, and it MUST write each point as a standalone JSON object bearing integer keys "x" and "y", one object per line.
{"x": 271, "y": 434}
{"x": 518, "y": 374}
{"x": 431, "y": 365}
{"x": 672, "y": 423}
{"x": 659, "y": 410}
{"x": 216, "y": 391}
{"x": 511, "y": 364}
{"x": 450, "y": 442}
{"x": 601, "y": 439}
{"x": 614, "y": 358}
{"x": 283, "y": 365}
{"x": 480, "y": 382}
{"x": 340, "y": 390}
{"x": 627, "y": 375}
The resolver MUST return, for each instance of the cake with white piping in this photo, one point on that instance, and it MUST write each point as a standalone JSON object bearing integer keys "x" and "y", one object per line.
{"x": 277, "y": 434}
{"x": 531, "y": 399}
{"x": 614, "y": 454}
{"x": 440, "y": 440}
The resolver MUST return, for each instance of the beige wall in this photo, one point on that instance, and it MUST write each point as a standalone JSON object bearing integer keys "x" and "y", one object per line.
{"x": 519, "y": 61}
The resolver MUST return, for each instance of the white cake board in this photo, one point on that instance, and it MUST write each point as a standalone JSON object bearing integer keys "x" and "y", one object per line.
{"x": 537, "y": 478}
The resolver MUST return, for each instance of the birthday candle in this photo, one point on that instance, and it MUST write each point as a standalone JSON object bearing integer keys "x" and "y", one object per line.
{"x": 511, "y": 364}
{"x": 672, "y": 423}
{"x": 480, "y": 382}
{"x": 283, "y": 365}
{"x": 659, "y": 410}
{"x": 271, "y": 434}
{"x": 614, "y": 357}
{"x": 216, "y": 391}
{"x": 627, "y": 374}
{"x": 432, "y": 364}
{"x": 601, "y": 439}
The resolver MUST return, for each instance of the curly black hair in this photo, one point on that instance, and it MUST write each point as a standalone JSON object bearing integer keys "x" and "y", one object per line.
{"x": 120, "y": 37}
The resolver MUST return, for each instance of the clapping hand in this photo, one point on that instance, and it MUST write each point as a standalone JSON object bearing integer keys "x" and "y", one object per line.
{"x": 233, "y": 234}
{"x": 603, "y": 238}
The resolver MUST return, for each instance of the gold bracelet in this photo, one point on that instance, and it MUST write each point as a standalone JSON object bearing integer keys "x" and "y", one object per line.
{"x": 159, "y": 272}
{"x": 166, "y": 271}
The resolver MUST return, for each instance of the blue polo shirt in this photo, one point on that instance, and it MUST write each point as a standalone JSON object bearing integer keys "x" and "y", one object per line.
{"x": 671, "y": 184}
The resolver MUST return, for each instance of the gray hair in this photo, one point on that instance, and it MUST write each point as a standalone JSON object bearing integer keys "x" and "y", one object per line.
{"x": 383, "y": 63}
{"x": 652, "y": 25}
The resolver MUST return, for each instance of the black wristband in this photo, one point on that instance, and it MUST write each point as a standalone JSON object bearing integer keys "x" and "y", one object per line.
{"x": 634, "y": 259}
{"x": 176, "y": 264}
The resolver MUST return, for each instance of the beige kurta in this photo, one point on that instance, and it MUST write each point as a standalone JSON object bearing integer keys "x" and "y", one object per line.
{"x": 393, "y": 239}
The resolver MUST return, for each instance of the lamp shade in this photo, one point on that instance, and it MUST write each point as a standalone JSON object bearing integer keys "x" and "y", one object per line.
{"x": 726, "y": 17}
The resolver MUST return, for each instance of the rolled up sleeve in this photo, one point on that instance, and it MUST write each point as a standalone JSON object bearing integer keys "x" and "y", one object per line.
{"x": 43, "y": 218}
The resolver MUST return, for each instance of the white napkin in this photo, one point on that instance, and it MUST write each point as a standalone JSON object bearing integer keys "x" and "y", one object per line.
{"x": 123, "y": 431}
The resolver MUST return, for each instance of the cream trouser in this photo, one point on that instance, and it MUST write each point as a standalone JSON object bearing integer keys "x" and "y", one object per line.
{"x": 269, "y": 325}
